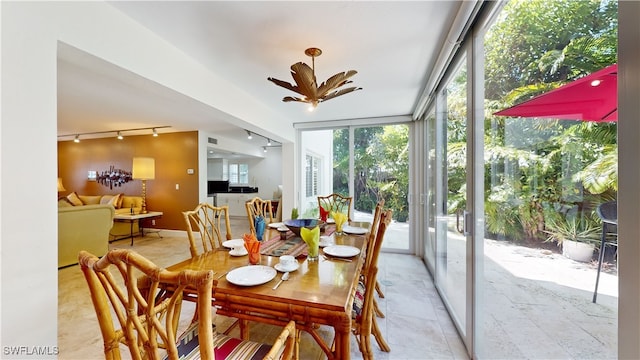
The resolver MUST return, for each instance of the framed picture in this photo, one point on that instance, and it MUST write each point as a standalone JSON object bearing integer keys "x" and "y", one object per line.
{"x": 92, "y": 175}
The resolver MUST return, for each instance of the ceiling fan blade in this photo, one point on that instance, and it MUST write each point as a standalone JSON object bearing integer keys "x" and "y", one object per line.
{"x": 335, "y": 82}
{"x": 340, "y": 92}
{"x": 290, "y": 98}
{"x": 306, "y": 80}
{"x": 285, "y": 85}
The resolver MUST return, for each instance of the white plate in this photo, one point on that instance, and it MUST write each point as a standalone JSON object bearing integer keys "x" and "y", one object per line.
{"x": 280, "y": 268}
{"x": 239, "y": 252}
{"x": 251, "y": 275}
{"x": 354, "y": 230}
{"x": 341, "y": 251}
{"x": 276, "y": 225}
{"x": 233, "y": 243}
{"x": 331, "y": 221}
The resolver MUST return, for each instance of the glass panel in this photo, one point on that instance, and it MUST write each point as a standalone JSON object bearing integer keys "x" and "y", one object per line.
{"x": 317, "y": 153}
{"x": 430, "y": 175}
{"x": 452, "y": 254}
{"x": 544, "y": 179}
{"x": 381, "y": 168}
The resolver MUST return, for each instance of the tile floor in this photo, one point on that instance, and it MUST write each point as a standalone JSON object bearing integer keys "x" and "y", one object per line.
{"x": 416, "y": 325}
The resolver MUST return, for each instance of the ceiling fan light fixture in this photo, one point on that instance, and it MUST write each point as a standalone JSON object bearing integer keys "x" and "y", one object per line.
{"x": 306, "y": 84}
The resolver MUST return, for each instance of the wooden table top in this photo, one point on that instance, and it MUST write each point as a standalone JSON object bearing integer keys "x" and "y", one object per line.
{"x": 324, "y": 284}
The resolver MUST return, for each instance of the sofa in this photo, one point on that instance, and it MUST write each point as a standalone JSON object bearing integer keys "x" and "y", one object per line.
{"x": 83, "y": 228}
{"x": 122, "y": 204}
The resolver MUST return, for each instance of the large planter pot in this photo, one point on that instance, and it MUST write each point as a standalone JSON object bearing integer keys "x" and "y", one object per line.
{"x": 577, "y": 251}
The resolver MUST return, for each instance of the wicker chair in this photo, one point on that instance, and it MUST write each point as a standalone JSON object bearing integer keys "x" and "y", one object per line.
{"x": 364, "y": 323}
{"x": 336, "y": 202}
{"x": 207, "y": 220}
{"x": 371, "y": 237}
{"x": 149, "y": 323}
{"x": 258, "y": 207}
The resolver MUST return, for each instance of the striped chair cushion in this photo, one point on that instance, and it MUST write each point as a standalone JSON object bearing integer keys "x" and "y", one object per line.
{"x": 358, "y": 301}
{"x": 225, "y": 347}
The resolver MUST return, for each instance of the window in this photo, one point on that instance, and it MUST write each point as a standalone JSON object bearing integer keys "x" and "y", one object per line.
{"x": 239, "y": 174}
{"x": 311, "y": 174}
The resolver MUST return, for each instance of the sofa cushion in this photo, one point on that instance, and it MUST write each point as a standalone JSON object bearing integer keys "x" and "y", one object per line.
{"x": 112, "y": 200}
{"x": 74, "y": 199}
{"x": 64, "y": 202}
{"x": 90, "y": 199}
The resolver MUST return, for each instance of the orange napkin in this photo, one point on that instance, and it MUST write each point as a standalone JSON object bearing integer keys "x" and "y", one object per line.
{"x": 253, "y": 248}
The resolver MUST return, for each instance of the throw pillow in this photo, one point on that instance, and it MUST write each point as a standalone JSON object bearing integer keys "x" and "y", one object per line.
{"x": 63, "y": 202}
{"x": 120, "y": 199}
{"x": 106, "y": 199}
{"x": 74, "y": 199}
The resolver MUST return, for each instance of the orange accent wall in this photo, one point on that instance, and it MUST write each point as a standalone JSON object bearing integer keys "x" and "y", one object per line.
{"x": 174, "y": 153}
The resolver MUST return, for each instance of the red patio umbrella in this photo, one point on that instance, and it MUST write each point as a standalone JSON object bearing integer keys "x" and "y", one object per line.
{"x": 592, "y": 98}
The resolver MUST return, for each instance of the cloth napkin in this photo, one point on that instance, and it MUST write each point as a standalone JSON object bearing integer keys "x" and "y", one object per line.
{"x": 340, "y": 219}
{"x": 323, "y": 214}
{"x": 259, "y": 225}
{"x": 253, "y": 248}
{"x": 312, "y": 238}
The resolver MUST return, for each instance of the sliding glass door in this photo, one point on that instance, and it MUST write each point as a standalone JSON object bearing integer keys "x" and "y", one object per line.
{"x": 369, "y": 163}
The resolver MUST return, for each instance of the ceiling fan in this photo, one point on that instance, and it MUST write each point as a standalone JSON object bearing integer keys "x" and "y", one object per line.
{"x": 306, "y": 84}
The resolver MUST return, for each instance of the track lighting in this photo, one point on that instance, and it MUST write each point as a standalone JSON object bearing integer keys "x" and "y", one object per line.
{"x": 264, "y": 149}
{"x": 268, "y": 142}
{"x": 249, "y": 135}
{"x": 119, "y": 133}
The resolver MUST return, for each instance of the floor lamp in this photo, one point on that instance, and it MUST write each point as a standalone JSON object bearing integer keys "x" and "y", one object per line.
{"x": 144, "y": 168}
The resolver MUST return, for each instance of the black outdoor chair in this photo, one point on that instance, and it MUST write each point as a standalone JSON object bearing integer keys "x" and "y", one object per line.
{"x": 608, "y": 213}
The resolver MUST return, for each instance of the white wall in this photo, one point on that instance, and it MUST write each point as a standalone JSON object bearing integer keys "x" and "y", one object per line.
{"x": 28, "y": 228}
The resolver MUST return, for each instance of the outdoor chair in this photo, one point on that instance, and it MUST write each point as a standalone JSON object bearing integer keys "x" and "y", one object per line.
{"x": 337, "y": 203}
{"x": 258, "y": 207}
{"x": 608, "y": 213}
{"x": 364, "y": 323}
{"x": 148, "y": 323}
{"x": 207, "y": 221}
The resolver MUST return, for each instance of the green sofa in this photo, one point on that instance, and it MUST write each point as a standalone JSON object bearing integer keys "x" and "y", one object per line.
{"x": 83, "y": 228}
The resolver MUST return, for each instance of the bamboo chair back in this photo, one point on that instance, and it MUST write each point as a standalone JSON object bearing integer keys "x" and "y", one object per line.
{"x": 366, "y": 325}
{"x": 337, "y": 203}
{"x": 207, "y": 221}
{"x": 147, "y": 322}
{"x": 373, "y": 232}
{"x": 258, "y": 207}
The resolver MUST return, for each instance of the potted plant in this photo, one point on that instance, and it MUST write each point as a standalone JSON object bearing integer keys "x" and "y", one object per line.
{"x": 576, "y": 236}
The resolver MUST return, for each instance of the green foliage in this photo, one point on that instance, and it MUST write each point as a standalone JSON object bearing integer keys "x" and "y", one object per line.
{"x": 537, "y": 169}
{"x": 563, "y": 228}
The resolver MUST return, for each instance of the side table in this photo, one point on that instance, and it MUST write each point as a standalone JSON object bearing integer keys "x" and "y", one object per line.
{"x": 132, "y": 218}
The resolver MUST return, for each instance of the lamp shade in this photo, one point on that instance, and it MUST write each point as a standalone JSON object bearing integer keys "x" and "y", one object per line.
{"x": 60, "y": 186}
{"x": 144, "y": 168}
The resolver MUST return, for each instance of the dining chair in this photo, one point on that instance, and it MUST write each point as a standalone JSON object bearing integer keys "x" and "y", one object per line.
{"x": 259, "y": 207}
{"x": 336, "y": 202}
{"x": 207, "y": 220}
{"x": 608, "y": 213}
{"x": 370, "y": 240}
{"x": 148, "y": 323}
{"x": 364, "y": 323}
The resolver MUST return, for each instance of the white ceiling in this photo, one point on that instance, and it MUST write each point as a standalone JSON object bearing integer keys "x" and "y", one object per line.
{"x": 393, "y": 45}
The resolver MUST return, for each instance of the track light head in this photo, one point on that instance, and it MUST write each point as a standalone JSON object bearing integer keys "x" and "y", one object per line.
{"x": 155, "y": 132}
{"x": 77, "y": 139}
{"x": 249, "y": 135}
{"x": 120, "y": 137}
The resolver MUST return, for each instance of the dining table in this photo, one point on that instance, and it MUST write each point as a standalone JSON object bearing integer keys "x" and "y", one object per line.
{"x": 319, "y": 292}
